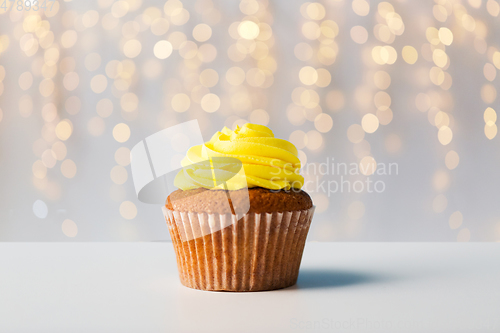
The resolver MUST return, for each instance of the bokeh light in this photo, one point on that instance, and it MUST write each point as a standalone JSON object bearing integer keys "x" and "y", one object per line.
{"x": 367, "y": 165}
{"x": 104, "y": 107}
{"x": 122, "y": 156}
{"x": 323, "y": 122}
{"x": 210, "y": 103}
{"x": 180, "y": 102}
{"x": 361, "y": 7}
{"x": 355, "y": 133}
{"x": 69, "y": 228}
{"x": 370, "y": 123}
{"x": 410, "y": 55}
{"x": 128, "y": 210}
{"x": 121, "y": 132}
{"x": 452, "y": 159}
{"x": 359, "y": 34}
{"x": 202, "y": 32}
{"x": 99, "y": 83}
{"x": 455, "y": 220}
{"x": 119, "y": 175}
{"x": 64, "y": 129}
{"x": 464, "y": 235}
{"x": 439, "y": 203}
{"x": 68, "y": 168}
{"x": 445, "y": 135}
{"x": 40, "y": 209}
{"x": 248, "y": 30}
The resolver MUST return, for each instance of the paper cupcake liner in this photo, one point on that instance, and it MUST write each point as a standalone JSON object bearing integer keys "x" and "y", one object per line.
{"x": 258, "y": 251}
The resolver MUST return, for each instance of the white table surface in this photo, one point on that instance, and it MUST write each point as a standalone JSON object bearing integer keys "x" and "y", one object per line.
{"x": 343, "y": 287}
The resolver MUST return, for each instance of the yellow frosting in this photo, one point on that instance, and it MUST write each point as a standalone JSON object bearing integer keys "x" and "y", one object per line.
{"x": 267, "y": 161}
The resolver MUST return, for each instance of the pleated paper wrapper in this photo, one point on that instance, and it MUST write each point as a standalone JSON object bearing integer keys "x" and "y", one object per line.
{"x": 226, "y": 252}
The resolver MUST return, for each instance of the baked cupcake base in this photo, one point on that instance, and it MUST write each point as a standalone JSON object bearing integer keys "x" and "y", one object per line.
{"x": 223, "y": 252}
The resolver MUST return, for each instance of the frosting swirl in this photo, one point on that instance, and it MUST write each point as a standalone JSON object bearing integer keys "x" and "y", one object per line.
{"x": 267, "y": 161}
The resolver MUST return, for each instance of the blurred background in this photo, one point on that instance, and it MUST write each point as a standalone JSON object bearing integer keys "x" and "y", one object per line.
{"x": 410, "y": 84}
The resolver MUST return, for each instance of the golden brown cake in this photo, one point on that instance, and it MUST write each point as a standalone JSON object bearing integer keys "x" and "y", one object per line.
{"x": 262, "y": 200}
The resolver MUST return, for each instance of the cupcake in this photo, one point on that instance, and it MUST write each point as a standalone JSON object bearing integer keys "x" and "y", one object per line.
{"x": 239, "y": 219}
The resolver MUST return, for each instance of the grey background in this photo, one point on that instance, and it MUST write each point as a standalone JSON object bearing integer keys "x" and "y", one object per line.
{"x": 403, "y": 212}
